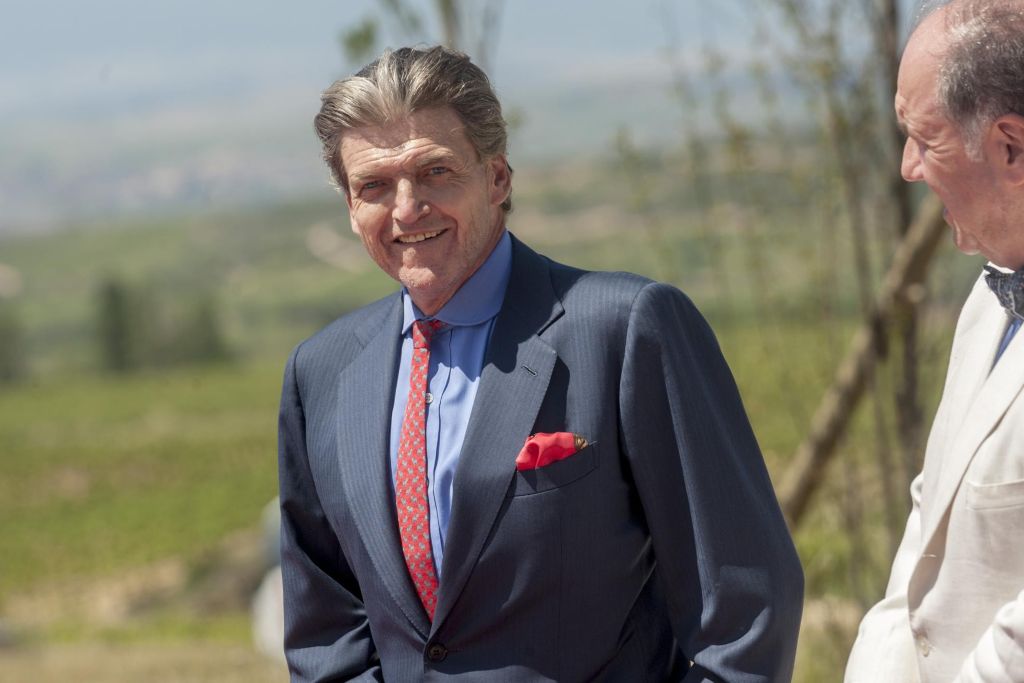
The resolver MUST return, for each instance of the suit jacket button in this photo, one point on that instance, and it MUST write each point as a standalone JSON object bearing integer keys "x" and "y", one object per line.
{"x": 437, "y": 652}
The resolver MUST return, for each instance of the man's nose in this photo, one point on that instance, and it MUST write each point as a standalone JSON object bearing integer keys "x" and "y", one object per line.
{"x": 910, "y": 168}
{"x": 408, "y": 202}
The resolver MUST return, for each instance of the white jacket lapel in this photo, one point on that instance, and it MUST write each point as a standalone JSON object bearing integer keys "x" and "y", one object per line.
{"x": 974, "y": 400}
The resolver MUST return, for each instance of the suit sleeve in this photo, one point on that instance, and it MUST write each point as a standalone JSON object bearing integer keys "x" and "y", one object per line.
{"x": 724, "y": 556}
{"x": 999, "y": 654}
{"x": 326, "y": 632}
{"x": 884, "y": 649}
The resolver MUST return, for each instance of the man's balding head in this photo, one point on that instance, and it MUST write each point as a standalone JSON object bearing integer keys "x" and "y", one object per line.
{"x": 980, "y": 46}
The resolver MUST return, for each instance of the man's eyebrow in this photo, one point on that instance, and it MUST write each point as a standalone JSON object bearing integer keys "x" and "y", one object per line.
{"x": 358, "y": 177}
{"x": 436, "y": 157}
{"x": 901, "y": 121}
{"x": 428, "y": 159}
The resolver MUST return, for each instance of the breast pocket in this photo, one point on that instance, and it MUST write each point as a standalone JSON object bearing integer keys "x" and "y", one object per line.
{"x": 1007, "y": 494}
{"x": 557, "y": 474}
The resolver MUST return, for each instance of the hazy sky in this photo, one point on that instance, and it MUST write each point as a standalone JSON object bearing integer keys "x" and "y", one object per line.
{"x": 90, "y": 56}
{"x": 113, "y": 105}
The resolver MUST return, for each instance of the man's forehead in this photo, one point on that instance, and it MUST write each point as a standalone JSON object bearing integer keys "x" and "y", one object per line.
{"x": 441, "y": 125}
{"x": 422, "y": 138}
{"x": 917, "y": 82}
{"x": 930, "y": 39}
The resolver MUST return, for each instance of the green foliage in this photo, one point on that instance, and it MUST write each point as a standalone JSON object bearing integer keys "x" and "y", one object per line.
{"x": 118, "y": 324}
{"x": 249, "y": 271}
{"x": 188, "y": 331}
{"x": 203, "y": 338}
{"x": 13, "y": 359}
{"x": 359, "y": 42}
{"x": 470, "y": 27}
{"x": 139, "y": 328}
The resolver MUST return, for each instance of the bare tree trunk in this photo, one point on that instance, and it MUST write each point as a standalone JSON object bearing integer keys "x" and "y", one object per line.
{"x": 909, "y": 415}
{"x": 896, "y": 215}
{"x": 845, "y": 131}
{"x": 448, "y": 13}
{"x": 910, "y": 266}
{"x": 843, "y": 139}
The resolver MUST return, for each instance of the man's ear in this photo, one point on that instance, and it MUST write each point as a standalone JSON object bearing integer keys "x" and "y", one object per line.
{"x": 1006, "y": 138}
{"x": 501, "y": 179}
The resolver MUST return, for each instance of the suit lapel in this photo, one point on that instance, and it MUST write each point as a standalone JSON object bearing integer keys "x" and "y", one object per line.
{"x": 980, "y": 400}
{"x": 365, "y": 396}
{"x": 513, "y": 383}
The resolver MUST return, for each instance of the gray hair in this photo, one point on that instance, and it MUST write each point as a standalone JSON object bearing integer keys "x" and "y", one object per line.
{"x": 982, "y": 73}
{"x": 401, "y": 82}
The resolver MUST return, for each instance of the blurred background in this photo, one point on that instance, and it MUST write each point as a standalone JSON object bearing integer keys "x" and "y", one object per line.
{"x": 168, "y": 233}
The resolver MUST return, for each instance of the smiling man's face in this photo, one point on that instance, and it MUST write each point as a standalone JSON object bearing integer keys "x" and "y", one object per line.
{"x": 427, "y": 208}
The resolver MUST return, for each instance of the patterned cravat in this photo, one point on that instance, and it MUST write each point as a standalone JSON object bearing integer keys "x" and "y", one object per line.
{"x": 411, "y": 477}
{"x": 1008, "y": 288}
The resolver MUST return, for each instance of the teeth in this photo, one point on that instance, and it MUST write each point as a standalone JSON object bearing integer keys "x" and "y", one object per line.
{"x": 410, "y": 239}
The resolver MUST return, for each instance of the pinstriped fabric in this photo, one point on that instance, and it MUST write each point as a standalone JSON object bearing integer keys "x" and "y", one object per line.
{"x": 411, "y": 476}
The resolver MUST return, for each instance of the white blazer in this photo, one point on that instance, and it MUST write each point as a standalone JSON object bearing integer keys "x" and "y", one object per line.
{"x": 954, "y": 606}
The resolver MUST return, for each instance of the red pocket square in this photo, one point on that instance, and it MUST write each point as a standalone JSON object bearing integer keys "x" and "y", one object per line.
{"x": 544, "y": 449}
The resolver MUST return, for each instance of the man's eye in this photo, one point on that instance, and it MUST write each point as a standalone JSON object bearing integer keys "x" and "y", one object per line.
{"x": 916, "y": 141}
{"x": 370, "y": 185}
{"x": 437, "y": 170}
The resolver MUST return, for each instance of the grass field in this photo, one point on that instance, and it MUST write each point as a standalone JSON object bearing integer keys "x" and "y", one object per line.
{"x": 103, "y": 473}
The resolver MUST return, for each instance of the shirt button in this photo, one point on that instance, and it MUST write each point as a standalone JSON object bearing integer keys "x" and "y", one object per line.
{"x": 429, "y": 398}
{"x": 437, "y": 652}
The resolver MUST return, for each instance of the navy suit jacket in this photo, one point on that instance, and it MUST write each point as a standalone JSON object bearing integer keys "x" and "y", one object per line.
{"x": 656, "y": 553}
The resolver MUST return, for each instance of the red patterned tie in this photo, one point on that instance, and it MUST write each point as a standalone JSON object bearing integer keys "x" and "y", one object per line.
{"x": 411, "y": 478}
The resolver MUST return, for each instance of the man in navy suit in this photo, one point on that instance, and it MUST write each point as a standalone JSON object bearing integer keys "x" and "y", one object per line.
{"x": 640, "y": 539}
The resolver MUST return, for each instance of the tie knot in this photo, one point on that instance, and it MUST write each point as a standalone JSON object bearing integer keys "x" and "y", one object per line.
{"x": 1008, "y": 288}
{"x": 423, "y": 331}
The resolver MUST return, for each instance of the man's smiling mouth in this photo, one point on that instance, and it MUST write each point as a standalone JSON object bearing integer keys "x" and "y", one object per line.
{"x": 419, "y": 237}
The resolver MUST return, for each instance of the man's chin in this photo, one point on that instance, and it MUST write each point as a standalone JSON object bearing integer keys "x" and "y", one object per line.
{"x": 426, "y": 290}
{"x": 963, "y": 243}
{"x": 969, "y": 249}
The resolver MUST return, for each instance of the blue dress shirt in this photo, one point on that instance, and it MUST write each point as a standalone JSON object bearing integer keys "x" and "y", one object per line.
{"x": 456, "y": 360}
{"x": 1011, "y": 331}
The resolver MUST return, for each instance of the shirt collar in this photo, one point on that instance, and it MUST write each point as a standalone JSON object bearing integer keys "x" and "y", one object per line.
{"x": 1001, "y": 269}
{"x": 478, "y": 299}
